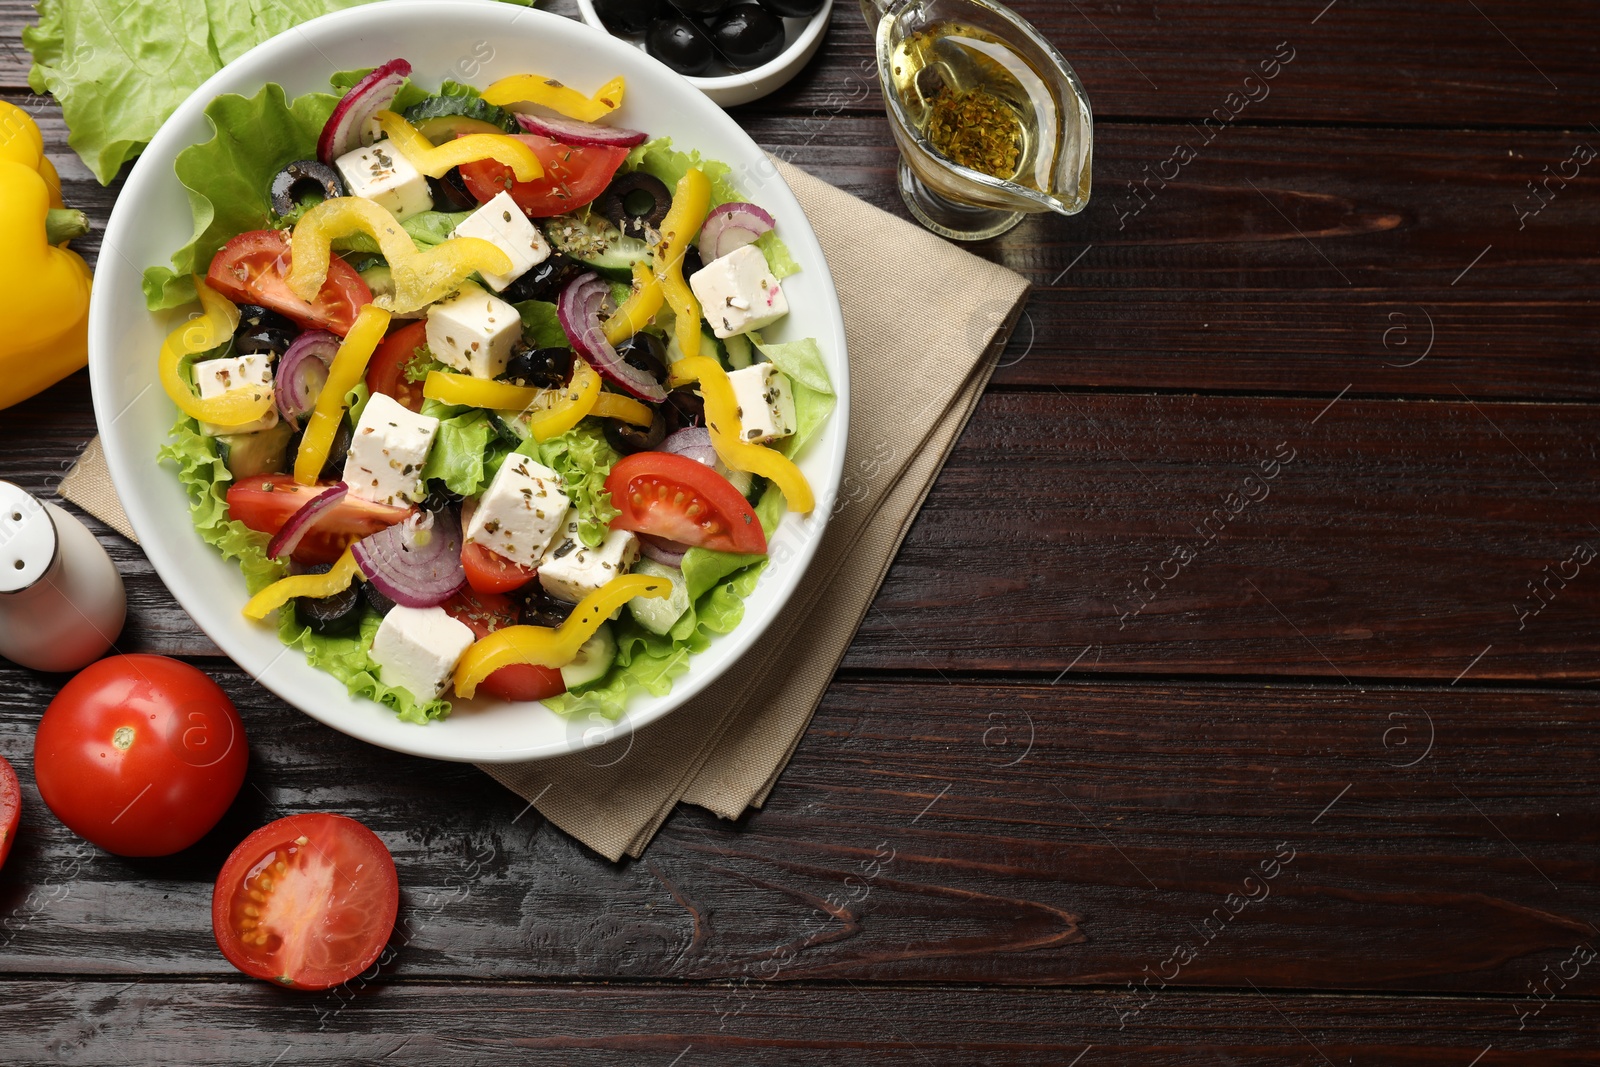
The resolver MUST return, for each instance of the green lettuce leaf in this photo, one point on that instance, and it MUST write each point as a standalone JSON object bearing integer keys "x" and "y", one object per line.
{"x": 718, "y": 583}
{"x": 228, "y": 178}
{"x": 120, "y": 67}
{"x": 205, "y": 477}
{"x": 808, "y": 377}
{"x": 582, "y": 457}
{"x": 349, "y": 660}
{"x": 660, "y": 160}
{"x": 458, "y": 452}
{"x": 541, "y": 326}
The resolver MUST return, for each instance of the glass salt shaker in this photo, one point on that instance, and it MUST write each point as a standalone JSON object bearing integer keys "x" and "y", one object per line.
{"x": 62, "y": 603}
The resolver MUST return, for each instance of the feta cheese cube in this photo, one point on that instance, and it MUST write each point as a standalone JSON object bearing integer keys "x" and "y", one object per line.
{"x": 520, "y": 512}
{"x": 571, "y": 570}
{"x": 381, "y": 174}
{"x": 388, "y": 450}
{"x": 417, "y": 649}
{"x": 242, "y": 374}
{"x": 766, "y": 402}
{"x": 474, "y": 331}
{"x": 502, "y": 223}
{"x": 739, "y": 293}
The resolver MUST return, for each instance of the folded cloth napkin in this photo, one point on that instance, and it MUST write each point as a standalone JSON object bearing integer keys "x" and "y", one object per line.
{"x": 925, "y": 321}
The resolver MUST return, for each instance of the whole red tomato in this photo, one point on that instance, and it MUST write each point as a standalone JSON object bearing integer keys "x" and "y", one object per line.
{"x": 140, "y": 755}
{"x": 10, "y": 808}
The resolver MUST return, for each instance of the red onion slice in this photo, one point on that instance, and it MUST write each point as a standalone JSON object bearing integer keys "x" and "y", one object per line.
{"x": 694, "y": 442}
{"x": 662, "y": 550}
{"x": 367, "y": 97}
{"x": 732, "y": 226}
{"x": 577, "y": 132}
{"x": 302, "y": 372}
{"x": 581, "y": 309}
{"x": 416, "y": 564}
{"x": 287, "y": 539}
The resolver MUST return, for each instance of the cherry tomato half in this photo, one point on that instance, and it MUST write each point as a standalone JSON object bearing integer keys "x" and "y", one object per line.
{"x": 264, "y": 502}
{"x": 574, "y": 175}
{"x": 675, "y": 497}
{"x": 490, "y": 572}
{"x": 140, "y": 755}
{"x": 386, "y": 371}
{"x": 307, "y": 902}
{"x": 487, "y": 612}
{"x": 10, "y": 808}
{"x": 253, "y": 268}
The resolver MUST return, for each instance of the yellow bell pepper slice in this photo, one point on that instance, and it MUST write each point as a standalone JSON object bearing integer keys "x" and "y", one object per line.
{"x": 312, "y": 245}
{"x": 280, "y": 592}
{"x": 348, "y": 367}
{"x": 722, "y": 413}
{"x": 690, "y": 205}
{"x": 626, "y": 408}
{"x": 640, "y": 307}
{"x": 436, "y": 161}
{"x": 438, "y": 272}
{"x": 547, "y": 92}
{"x": 546, "y": 647}
{"x": 467, "y": 391}
{"x": 551, "y": 412}
{"x": 236, "y": 407}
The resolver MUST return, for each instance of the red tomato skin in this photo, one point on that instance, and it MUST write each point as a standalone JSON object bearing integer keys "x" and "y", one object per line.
{"x": 490, "y": 572}
{"x": 10, "y": 808}
{"x": 337, "y": 837}
{"x": 140, "y": 755}
{"x": 386, "y": 372}
{"x": 727, "y": 525}
{"x": 487, "y": 612}
{"x": 266, "y": 510}
{"x": 573, "y": 176}
{"x": 253, "y": 268}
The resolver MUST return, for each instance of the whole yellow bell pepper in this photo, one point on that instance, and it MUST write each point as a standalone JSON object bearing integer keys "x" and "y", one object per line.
{"x": 50, "y": 282}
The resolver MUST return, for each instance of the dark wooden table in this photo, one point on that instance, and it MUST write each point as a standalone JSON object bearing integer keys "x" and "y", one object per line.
{"x": 1084, "y": 758}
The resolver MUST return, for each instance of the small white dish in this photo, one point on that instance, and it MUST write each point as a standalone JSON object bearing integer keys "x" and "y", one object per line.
{"x": 804, "y": 37}
{"x": 477, "y": 42}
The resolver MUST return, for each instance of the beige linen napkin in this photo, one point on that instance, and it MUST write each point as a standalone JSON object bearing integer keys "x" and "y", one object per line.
{"x": 924, "y": 321}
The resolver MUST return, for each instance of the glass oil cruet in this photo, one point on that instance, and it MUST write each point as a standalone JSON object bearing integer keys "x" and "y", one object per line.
{"x": 992, "y": 123}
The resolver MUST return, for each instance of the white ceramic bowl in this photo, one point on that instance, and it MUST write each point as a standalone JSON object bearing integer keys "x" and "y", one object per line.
{"x": 803, "y": 38}
{"x": 442, "y": 39}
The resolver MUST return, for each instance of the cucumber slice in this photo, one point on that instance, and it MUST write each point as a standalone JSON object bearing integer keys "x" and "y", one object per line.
{"x": 380, "y": 279}
{"x": 511, "y": 423}
{"x": 740, "y": 351}
{"x": 261, "y": 452}
{"x": 594, "y": 658}
{"x": 597, "y": 244}
{"x": 434, "y": 117}
{"x": 740, "y": 480}
{"x": 659, "y": 616}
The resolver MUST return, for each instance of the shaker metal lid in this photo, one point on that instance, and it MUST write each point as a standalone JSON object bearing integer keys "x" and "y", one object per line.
{"x": 27, "y": 539}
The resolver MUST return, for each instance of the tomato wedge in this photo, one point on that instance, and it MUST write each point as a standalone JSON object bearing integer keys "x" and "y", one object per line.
{"x": 574, "y": 175}
{"x": 490, "y": 572}
{"x": 308, "y": 901}
{"x": 264, "y": 502}
{"x": 10, "y": 808}
{"x": 253, "y": 268}
{"x": 487, "y": 612}
{"x": 672, "y": 496}
{"x": 386, "y": 370}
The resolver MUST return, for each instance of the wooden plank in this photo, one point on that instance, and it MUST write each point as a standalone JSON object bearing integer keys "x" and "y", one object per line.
{"x": 1399, "y": 541}
{"x": 229, "y": 1023}
{"x": 1493, "y": 63}
{"x": 1079, "y": 834}
{"x": 1209, "y": 286}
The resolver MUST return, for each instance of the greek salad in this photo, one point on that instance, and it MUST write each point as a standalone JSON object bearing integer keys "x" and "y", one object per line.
{"x": 477, "y": 395}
